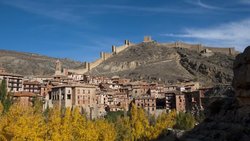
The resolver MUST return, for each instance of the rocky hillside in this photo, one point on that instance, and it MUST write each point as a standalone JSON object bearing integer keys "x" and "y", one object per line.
{"x": 228, "y": 119}
{"x": 32, "y": 64}
{"x": 145, "y": 61}
{"x": 154, "y": 62}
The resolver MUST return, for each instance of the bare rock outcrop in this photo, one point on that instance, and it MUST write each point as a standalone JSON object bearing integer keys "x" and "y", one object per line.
{"x": 228, "y": 119}
{"x": 242, "y": 77}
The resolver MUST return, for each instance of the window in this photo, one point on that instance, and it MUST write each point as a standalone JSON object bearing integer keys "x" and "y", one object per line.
{"x": 88, "y": 91}
{"x": 63, "y": 96}
{"x": 68, "y": 96}
{"x": 83, "y": 91}
{"x": 153, "y": 109}
{"x": 78, "y": 91}
{"x": 68, "y": 91}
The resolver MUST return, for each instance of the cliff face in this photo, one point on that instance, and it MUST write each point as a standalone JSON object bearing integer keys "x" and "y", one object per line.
{"x": 228, "y": 119}
{"x": 154, "y": 62}
{"x": 32, "y": 64}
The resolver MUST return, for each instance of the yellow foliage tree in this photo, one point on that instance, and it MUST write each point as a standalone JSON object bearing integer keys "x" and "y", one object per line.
{"x": 54, "y": 125}
{"x": 106, "y": 130}
{"x": 123, "y": 129}
{"x": 163, "y": 122}
{"x": 28, "y": 123}
{"x": 24, "y": 124}
{"x": 139, "y": 123}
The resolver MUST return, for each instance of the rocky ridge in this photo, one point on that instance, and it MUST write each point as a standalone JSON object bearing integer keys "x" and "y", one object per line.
{"x": 29, "y": 64}
{"x": 228, "y": 119}
{"x": 155, "y": 62}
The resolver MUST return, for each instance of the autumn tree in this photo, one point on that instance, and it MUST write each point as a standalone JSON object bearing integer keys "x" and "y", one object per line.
{"x": 185, "y": 121}
{"x": 106, "y": 130}
{"x": 139, "y": 123}
{"x": 163, "y": 121}
{"x": 22, "y": 123}
{"x": 123, "y": 129}
{"x": 54, "y": 125}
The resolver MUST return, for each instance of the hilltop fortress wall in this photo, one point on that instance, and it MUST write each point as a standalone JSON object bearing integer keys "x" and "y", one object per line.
{"x": 103, "y": 56}
{"x": 115, "y": 50}
{"x": 199, "y": 48}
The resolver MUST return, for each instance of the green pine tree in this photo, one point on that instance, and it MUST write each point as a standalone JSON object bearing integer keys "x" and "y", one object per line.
{"x": 5, "y": 97}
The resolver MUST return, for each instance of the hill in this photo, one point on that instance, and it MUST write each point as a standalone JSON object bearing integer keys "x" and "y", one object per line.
{"x": 149, "y": 61}
{"x": 32, "y": 64}
{"x": 156, "y": 62}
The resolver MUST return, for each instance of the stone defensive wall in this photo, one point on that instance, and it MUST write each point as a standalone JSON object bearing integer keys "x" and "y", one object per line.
{"x": 229, "y": 51}
{"x": 78, "y": 71}
{"x": 103, "y": 56}
{"x": 199, "y": 48}
{"x": 118, "y": 49}
{"x": 115, "y": 50}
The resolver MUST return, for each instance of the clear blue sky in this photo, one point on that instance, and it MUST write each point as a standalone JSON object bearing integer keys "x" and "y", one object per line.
{"x": 80, "y": 29}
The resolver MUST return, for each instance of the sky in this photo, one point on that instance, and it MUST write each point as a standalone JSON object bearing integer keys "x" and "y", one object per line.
{"x": 80, "y": 29}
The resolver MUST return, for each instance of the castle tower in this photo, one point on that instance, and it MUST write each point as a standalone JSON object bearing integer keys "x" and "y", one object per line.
{"x": 113, "y": 49}
{"x": 102, "y": 55}
{"x": 147, "y": 39}
{"x": 127, "y": 42}
{"x": 58, "y": 70}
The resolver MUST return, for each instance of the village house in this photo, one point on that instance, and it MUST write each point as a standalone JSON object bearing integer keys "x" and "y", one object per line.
{"x": 32, "y": 86}
{"x": 82, "y": 96}
{"x": 14, "y": 82}
{"x": 175, "y": 100}
{"x": 25, "y": 98}
{"x": 146, "y": 102}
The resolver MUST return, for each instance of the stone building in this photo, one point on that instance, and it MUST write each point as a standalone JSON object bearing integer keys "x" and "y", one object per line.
{"x": 32, "y": 86}
{"x": 14, "y": 81}
{"x": 82, "y": 96}
{"x": 25, "y": 98}
{"x": 194, "y": 100}
{"x": 146, "y": 102}
{"x": 175, "y": 100}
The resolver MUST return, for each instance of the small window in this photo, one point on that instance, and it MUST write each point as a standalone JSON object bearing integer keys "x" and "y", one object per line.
{"x": 83, "y": 91}
{"x": 68, "y": 96}
{"x": 153, "y": 109}
{"x": 68, "y": 91}
{"x": 88, "y": 91}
